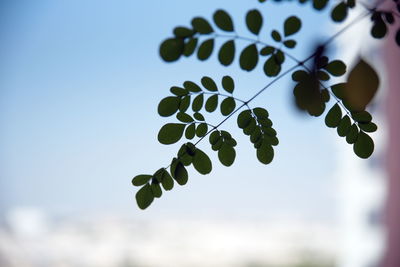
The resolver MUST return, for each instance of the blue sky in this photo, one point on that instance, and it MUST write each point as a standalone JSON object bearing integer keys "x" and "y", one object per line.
{"x": 80, "y": 83}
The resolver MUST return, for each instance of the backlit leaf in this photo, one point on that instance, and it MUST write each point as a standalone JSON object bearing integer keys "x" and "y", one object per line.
{"x": 209, "y": 84}
{"x": 201, "y": 162}
{"x": 144, "y": 197}
{"x": 140, "y": 180}
{"x": 227, "y": 53}
{"x": 254, "y": 21}
{"x": 168, "y": 106}
{"x": 249, "y": 57}
{"x": 228, "y": 84}
{"x": 292, "y": 25}
{"x": 201, "y": 25}
{"x": 334, "y": 116}
{"x": 226, "y": 155}
{"x": 205, "y": 49}
{"x": 171, "y": 49}
{"x": 223, "y": 20}
{"x": 228, "y": 106}
{"x": 364, "y": 146}
{"x": 170, "y": 133}
{"x": 212, "y": 103}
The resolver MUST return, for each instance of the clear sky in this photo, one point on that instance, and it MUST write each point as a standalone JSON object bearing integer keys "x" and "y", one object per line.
{"x": 79, "y": 87}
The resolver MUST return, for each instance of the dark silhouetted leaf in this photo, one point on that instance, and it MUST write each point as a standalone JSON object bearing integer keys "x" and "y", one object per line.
{"x": 190, "y": 46}
{"x": 344, "y": 126}
{"x": 226, "y": 155}
{"x": 201, "y": 162}
{"x": 339, "y": 90}
{"x": 368, "y": 127}
{"x": 178, "y": 91}
{"x": 144, "y": 197}
{"x": 249, "y": 57}
{"x": 185, "y": 103}
{"x": 276, "y": 36}
{"x": 267, "y": 50}
{"x": 336, "y": 68}
{"x": 227, "y": 53}
{"x": 339, "y": 13}
{"x": 201, "y": 25}
{"x": 292, "y": 25}
{"x": 183, "y": 32}
{"x": 322, "y": 75}
{"x": 205, "y": 49}
{"x": 171, "y": 49}
{"x": 198, "y": 116}
{"x": 244, "y": 119}
{"x": 197, "y": 103}
{"x": 184, "y": 117}
{"x": 156, "y": 190}
{"x": 190, "y": 131}
{"x": 209, "y": 84}
{"x": 379, "y": 29}
{"x": 352, "y": 134}
{"x": 168, "y": 106}
{"x": 228, "y": 84}
{"x": 228, "y": 106}
{"x": 180, "y": 173}
{"x": 363, "y": 116}
{"x": 290, "y": 43}
{"x": 265, "y": 154}
{"x": 271, "y": 67}
{"x": 254, "y": 21}
{"x": 334, "y": 116}
{"x": 201, "y": 129}
{"x": 140, "y": 180}
{"x": 362, "y": 84}
{"x": 223, "y": 20}
{"x": 260, "y": 113}
{"x": 212, "y": 103}
{"x": 320, "y": 4}
{"x": 191, "y": 86}
{"x": 214, "y": 137}
{"x": 170, "y": 133}
{"x": 166, "y": 181}
{"x": 364, "y": 146}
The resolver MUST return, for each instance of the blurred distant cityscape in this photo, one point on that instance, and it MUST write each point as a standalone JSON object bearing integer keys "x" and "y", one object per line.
{"x": 28, "y": 238}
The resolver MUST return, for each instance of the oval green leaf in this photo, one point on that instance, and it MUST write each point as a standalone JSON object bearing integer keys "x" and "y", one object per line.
{"x": 226, "y": 155}
{"x": 170, "y": 133}
{"x": 334, "y": 116}
{"x": 144, "y": 197}
{"x": 205, "y": 49}
{"x": 168, "y": 106}
{"x": 201, "y": 25}
{"x": 212, "y": 103}
{"x": 201, "y": 162}
{"x": 364, "y": 146}
{"x": 228, "y": 84}
{"x": 254, "y": 21}
{"x": 249, "y": 58}
{"x": 227, "y": 53}
{"x": 292, "y": 25}
{"x": 223, "y": 20}
{"x": 228, "y": 106}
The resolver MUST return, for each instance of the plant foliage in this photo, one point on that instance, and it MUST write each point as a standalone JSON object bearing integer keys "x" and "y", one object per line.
{"x": 344, "y": 103}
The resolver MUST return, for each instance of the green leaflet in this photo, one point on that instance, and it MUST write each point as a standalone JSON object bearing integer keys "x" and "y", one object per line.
{"x": 212, "y": 103}
{"x": 254, "y": 21}
{"x": 170, "y": 133}
{"x": 249, "y": 57}
{"x": 144, "y": 197}
{"x": 334, "y": 116}
{"x": 228, "y": 84}
{"x": 228, "y": 106}
{"x": 227, "y": 53}
{"x": 140, "y": 180}
{"x": 201, "y": 162}
{"x": 209, "y": 84}
{"x": 171, "y": 49}
{"x": 205, "y": 49}
{"x": 292, "y": 25}
{"x": 226, "y": 154}
{"x": 201, "y": 25}
{"x": 364, "y": 146}
{"x": 168, "y": 106}
{"x": 223, "y": 20}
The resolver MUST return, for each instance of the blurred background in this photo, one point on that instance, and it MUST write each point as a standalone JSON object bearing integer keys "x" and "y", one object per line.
{"x": 80, "y": 82}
